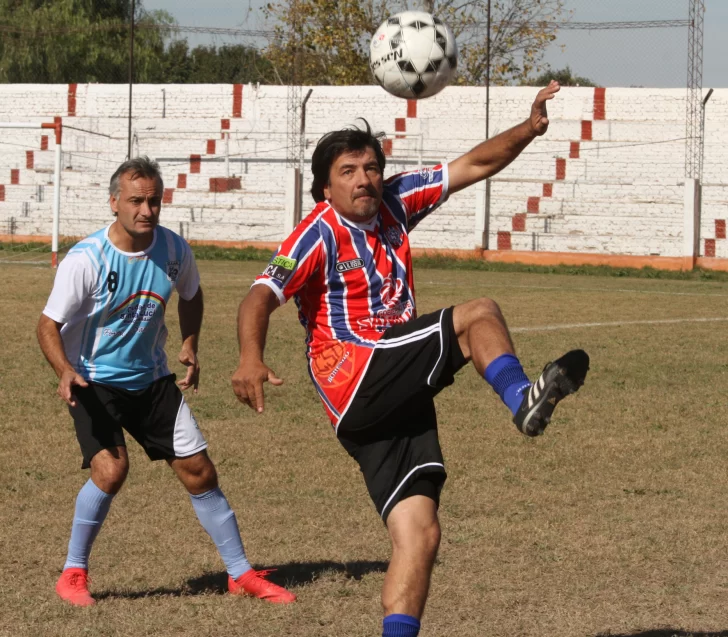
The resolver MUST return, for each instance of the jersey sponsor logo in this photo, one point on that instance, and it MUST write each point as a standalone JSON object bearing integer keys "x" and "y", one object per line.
{"x": 140, "y": 306}
{"x": 334, "y": 366}
{"x": 391, "y": 291}
{"x": 394, "y": 236}
{"x": 345, "y": 266}
{"x": 172, "y": 270}
{"x": 280, "y": 268}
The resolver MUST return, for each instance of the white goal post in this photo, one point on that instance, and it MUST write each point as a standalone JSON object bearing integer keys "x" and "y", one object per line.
{"x": 57, "y": 127}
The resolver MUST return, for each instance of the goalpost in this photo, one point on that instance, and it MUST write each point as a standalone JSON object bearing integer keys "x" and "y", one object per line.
{"x": 57, "y": 127}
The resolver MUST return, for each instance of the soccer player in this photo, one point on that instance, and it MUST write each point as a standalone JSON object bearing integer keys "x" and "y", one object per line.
{"x": 103, "y": 332}
{"x": 375, "y": 364}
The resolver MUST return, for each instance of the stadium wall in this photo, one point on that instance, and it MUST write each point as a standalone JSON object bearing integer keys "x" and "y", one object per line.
{"x": 605, "y": 185}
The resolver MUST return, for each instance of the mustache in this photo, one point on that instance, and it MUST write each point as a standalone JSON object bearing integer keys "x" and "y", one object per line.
{"x": 368, "y": 192}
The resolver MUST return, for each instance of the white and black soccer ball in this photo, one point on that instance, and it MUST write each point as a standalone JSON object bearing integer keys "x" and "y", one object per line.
{"x": 413, "y": 55}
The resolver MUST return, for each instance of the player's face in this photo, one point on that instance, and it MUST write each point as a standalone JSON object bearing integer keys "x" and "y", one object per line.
{"x": 355, "y": 185}
{"x": 138, "y": 204}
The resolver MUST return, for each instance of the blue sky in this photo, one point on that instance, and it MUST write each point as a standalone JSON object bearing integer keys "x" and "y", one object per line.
{"x": 649, "y": 57}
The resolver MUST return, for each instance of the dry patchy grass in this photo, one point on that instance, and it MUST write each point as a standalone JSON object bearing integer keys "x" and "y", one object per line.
{"x": 613, "y": 522}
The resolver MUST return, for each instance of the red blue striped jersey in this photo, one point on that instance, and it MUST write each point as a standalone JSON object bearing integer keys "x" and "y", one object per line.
{"x": 351, "y": 281}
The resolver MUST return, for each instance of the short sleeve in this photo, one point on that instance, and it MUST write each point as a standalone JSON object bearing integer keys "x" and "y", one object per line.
{"x": 295, "y": 262}
{"x": 74, "y": 283}
{"x": 420, "y": 192}
{"x": 188, "y": 279}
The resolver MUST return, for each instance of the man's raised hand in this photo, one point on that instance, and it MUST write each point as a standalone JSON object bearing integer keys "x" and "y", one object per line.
{"x": 539, "y": 117}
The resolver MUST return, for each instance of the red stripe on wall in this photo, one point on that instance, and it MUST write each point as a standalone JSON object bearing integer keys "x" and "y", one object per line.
{"x": 182, "y": 180}
{"x": 560, "y": 168}
{"x": 548, "y": 190}
{"x": 532, "y": 205}
{"x": 167, "y": 196}
{"x": 14, "y": 176}
{"x": 411, "y": 108}
{"x": 195, "y": 163}
{"x": 504, "y": 240}
{"x": 72, "y": 100}
{"x": 519, "y": 222}
{"x": 709, "y": 248}
{"x": 29, "y": 159}
{"x": 574, "y": 150}
{"x": 600, "y": 103}
{"x": 586, "y": 130}
{"x": 44, "y": 142}
{"x": 720, "y": 228}
{"x": 237, "y": 100}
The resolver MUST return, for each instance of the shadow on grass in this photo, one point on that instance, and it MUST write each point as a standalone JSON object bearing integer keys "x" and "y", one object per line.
{"x": 289, "y": 575}
{"x": 669, "y": 632}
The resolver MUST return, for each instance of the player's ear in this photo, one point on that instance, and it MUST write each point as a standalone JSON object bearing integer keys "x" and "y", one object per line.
{"x": 327, "y": 192}
{"x": 114, "y": 203}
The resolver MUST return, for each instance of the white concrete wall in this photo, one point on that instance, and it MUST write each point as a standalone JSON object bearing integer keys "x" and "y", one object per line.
{"x": 622, "y": 195}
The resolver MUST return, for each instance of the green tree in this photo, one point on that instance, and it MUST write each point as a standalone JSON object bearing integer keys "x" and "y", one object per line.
{"x": 327, "y": 41}
{"x": 78, "y": 41}
{"x": 565, "y": 77}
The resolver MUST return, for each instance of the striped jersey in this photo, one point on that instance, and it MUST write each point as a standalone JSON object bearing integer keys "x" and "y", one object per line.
{"x": 352, "y": 281}
{"x": 112, "y": 306}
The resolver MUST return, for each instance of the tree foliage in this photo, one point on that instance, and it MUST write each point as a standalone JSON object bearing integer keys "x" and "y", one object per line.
{"x": 565, "y": 77}
{"x": 59, "y": 41}
{"x": 327, "y": 41}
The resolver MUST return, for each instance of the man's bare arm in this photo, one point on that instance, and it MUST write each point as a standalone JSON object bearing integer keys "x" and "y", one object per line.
{"x": 51, "y": 344}
{"x": 493, "y": 155}
{"x": 253, "y": 320}
{"x": 190, "y": 322}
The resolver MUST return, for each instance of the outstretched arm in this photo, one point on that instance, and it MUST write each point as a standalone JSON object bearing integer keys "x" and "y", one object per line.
{"x": 493, "y": 155}
{"x": 49, "y": 338}
{"x": 253, "y": 318}
{"x": 190, "y": 322}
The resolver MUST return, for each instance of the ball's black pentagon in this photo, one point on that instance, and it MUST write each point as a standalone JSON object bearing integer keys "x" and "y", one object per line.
{"x": 395, "y": 41}
{"x": 436, "y": 20}
{"x": 419, "y": 87}
{"x": 406, "y": 66}
{"x": 441, "y": 40}
{"x": 432, "y": 66}
{"x": 393, "y": 21}
{"x": 453, "y": 59}
{"x": 418, "y": 25}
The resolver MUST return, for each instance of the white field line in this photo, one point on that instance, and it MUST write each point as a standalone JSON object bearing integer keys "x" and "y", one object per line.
{"x": 576, "y": 289}
{"x": 573, "y": 326}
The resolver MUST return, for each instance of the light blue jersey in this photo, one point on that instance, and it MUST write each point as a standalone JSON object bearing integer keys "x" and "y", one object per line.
{"x": 112, "y": 305}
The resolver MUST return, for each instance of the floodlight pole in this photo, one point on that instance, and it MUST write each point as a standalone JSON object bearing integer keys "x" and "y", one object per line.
{"x": 486, "y": 224}
{"x": 131, "y": 72}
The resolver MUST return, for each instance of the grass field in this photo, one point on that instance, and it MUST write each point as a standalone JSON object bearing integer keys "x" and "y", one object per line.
{"x": 613, "y": 522}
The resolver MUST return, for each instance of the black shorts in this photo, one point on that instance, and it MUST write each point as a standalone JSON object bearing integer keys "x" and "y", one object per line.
{"x": 157, "y": 417}
{"x": 390, "y": 427}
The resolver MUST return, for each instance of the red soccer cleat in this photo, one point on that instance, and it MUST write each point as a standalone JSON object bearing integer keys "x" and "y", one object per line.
{"x": 254, "y": 583}
{"x": 72, "y": 586}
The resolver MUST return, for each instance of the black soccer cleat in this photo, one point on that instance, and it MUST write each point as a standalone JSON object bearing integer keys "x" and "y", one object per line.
{"x": 559, "y": 379}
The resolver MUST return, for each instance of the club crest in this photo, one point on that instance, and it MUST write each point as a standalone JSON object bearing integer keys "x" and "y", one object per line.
{"x": 394, "y": 236}
{"x": 172, "y": 270}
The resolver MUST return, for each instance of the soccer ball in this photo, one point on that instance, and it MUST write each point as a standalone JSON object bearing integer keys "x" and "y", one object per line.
{"x": 413, "y": 55}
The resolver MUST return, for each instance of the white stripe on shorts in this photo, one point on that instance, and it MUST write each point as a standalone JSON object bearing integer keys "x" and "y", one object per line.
{"x": 188, "y": 439}
{"x": 401, "y": 484}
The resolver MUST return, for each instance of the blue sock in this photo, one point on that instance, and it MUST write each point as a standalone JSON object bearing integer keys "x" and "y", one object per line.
{"x": 506, "y": 376}
{"x": 218, "y": 519}
{"x": 400, "y": 626}
{"x": 92, "y": 505}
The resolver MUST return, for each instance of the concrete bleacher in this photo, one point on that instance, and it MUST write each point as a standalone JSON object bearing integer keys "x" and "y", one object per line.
{"x": 607, "y": 181}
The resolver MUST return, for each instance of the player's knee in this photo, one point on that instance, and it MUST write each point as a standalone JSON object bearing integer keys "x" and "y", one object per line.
{"x": 109, "y": 473}
{"x": 486, "y": 308}
{"x": 199, "y": 475}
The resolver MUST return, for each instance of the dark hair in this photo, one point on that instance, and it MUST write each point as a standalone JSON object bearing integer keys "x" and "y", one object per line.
{"x": 333, "y": 144}
{"x": 138, "y": 167}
